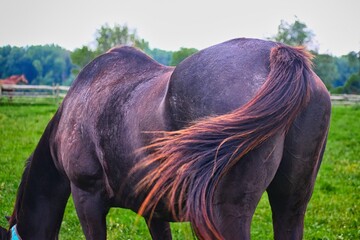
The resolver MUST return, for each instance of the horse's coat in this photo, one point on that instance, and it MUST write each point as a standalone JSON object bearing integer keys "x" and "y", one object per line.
{"x": 244, "y": 116}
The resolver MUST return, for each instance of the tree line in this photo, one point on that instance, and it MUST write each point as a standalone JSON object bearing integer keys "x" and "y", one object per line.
{"x": 51, "y": 64}
{"x": 46, "y": 65}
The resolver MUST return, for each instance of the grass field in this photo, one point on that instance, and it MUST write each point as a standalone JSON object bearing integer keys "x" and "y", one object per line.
{"x": 333, "y": 213}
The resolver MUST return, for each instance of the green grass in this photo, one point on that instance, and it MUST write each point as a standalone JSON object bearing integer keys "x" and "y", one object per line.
{"x": 333, "y": 212}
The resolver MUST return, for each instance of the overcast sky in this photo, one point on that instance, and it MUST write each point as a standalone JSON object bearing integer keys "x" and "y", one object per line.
{"x": 171, "y": 24}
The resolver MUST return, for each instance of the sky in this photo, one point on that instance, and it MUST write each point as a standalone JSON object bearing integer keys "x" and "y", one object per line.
{"x": 171, "y": 24}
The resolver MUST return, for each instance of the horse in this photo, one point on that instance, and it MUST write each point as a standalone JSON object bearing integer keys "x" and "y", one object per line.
{"x": 12, "y": 80}
{"x": 199, "y": 142}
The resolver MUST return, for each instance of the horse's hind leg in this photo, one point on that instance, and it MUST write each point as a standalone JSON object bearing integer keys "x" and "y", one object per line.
{"x": 291, "y": 189}
{"x": 240, "y": 190}
{"x": 159, "y": 229}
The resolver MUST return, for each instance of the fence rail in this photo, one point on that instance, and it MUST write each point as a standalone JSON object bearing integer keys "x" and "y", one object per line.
{"x": 346, "y": 99}
{"x": 56, "y": 91}
{"x": 33, "y": 91}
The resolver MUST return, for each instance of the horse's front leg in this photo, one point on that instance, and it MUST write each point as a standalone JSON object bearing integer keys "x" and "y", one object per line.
{"x": 87, "y": 188}
{"x": 92, "y": 209}
{"x": 3, "y": 234}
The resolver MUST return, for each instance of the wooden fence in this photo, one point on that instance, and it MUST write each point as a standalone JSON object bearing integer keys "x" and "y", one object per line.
{"x": 33, "y": 91}
{"x": 345, "y": 99}
{"x": 56, "y": 91}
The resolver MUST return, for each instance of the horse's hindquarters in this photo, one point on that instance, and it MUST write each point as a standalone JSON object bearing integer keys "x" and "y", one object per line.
{"x": 291, "y": 189}
{"x": 240, "y": 190}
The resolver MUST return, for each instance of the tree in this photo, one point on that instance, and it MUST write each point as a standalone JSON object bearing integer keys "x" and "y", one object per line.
{"x": 142, "y": 44}
{"x": 295, "y": 34}
{"x": 354, "y": 59}
{"x": 352, "y": 85}
{"x": 106, "y": 38}
{"x": 326, "y": 69}
{"x": 347, "y": 65}
{"x": 161, "y": 56}
{"x": 80, "y": 57}
{"x": 180, "y": 55}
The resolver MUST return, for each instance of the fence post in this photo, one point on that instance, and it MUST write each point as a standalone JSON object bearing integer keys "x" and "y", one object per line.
{"x": 57, "y": 92}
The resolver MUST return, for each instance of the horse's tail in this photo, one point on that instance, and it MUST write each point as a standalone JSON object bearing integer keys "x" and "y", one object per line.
{"x": 190, "y": 162}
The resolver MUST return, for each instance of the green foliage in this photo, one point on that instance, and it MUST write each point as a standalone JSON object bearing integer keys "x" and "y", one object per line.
{"x": 106, "y": 38}
{"x": 162, "y": 56}
{"x": 352, "y": 86}
{"x": 80, "y": 57}
{"x": 354, "y": 59}
{"x": 331, "y": 214}
{"x": 347, "y": 65}
{"x": 180, "y": 55}
{"x": 325, "y": 67}
{"x": 349, "y": 69}
{"x": 295, "y": 34}
{"x": 47, "y": 64}
{"x": 337, "y": 90}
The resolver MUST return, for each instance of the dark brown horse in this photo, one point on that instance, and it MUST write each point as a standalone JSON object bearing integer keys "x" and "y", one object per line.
{"x": 199, "y": 143}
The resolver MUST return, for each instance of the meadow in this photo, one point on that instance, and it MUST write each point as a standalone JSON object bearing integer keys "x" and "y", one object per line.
{"x": 333, "y": 212}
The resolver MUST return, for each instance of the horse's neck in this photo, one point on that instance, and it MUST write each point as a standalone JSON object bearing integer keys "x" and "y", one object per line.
{"x": 18, "y": 79}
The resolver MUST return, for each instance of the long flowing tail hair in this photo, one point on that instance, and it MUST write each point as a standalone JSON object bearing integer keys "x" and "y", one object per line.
{"x": 190, "y": 162}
